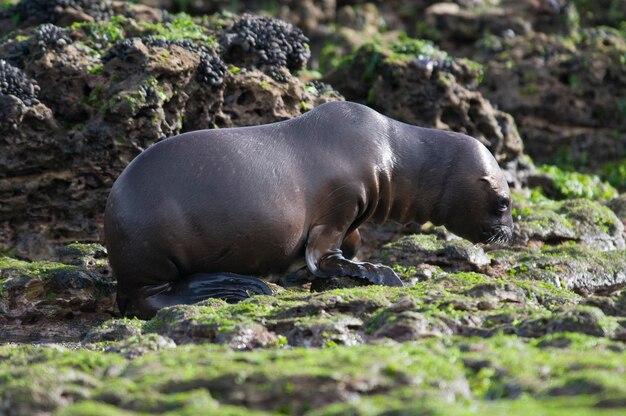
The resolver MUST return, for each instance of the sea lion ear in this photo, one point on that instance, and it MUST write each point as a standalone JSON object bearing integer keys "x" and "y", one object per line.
{"x": 490, "y": 181}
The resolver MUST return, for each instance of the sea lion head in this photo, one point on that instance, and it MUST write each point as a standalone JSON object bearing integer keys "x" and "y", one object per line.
{"x": 476, "y": 203}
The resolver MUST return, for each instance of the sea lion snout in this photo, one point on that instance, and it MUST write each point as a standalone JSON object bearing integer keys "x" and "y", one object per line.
{"x": 497, "y": 234}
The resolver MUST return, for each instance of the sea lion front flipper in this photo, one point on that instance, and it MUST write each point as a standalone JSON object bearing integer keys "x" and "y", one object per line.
{"x": 195, "y": 288}
{"x": 324, "y": 259}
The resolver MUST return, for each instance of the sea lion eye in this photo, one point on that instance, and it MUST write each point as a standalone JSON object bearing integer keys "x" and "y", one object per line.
{"x": 503, "y": 204}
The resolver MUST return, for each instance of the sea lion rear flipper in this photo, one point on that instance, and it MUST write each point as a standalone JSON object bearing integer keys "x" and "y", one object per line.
{"x": 195, "y": 288}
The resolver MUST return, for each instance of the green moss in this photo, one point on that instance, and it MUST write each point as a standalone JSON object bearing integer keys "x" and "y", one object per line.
{"x": 39, "y": 268}
{"x": 330, "y": 58}
{"x": 567, "y": 185}
{"x": 103, "y": 33}
{"x": 181, "y": 27}
{"x": 427, "y": 31}
{"x": 574, "y": 219}
{"x": 132, "y": 101}
{"x": 404, "y": 404}
{"x": 233, "y": 69}
{"x": 586, "y": 211}
{"x": 96, "y": 69}
{"x": 562, "y": 266}
{"x": 92, "y": 408}
{"x": 419, "y": 48}
{"x": 447, "y": 376}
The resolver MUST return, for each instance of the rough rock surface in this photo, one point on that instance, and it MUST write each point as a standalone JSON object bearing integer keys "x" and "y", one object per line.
{"x": 618, "y": 205}
{"x": 565, "y": 95}
{"x": 45, "y": 300}
{"x": 458, "y": 25}
{"x": 517, "y": 340}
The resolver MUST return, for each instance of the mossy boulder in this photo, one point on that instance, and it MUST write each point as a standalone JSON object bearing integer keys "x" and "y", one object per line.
{"x": 618, "y": 205}
{"x": 572, "y": 266}
{"x": 578, "y": 220}
{"x": 51, "y": 301}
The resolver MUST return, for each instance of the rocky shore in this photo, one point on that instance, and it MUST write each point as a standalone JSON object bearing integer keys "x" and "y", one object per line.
{"x": 537, "y": 326}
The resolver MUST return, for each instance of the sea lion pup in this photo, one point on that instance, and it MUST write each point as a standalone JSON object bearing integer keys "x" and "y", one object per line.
{"x": 200, "y": 214}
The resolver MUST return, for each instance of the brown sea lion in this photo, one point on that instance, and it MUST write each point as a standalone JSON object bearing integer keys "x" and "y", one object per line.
{"x": 198, "y": 215}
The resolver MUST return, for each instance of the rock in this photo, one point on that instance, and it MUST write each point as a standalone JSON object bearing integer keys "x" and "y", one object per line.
{"x": 246, "y": 104}
{"x": 31, "y": 140}
{"x": 579, "y": 220}
{"x": 334, "y": 330}
{"x": 433, "y": 375}
{"x": 581, "y": 319}
{"x": 458, "y": 25}
{"x": 614, "y": 305}
{"x": 455, "y": 255}
{"x": 507, "y": 293}
{"x": 307, "y": 14}
{"x": 572, "y": 266}
{"x": 92, "y": 257}
{"x": 114, "y": 330}
{"x": 401, "y": 322}
{"x": 47, "y": 292}
{"x": 140, "y": 345}
{"x": 618, "y": 205}
{"x": 565, "y": 109}
{"x": 198, "y": 323}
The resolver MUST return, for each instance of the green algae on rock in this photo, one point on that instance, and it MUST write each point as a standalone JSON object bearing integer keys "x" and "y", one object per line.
{"x": 578, "y": 220}
{"x": 448, "y": 303}
{"x": 572, "y": 266}
{"x": 457, "y": 255}
{"x": 560, "y": 184}
{"x": 498, "y": 374}
{"x": 50, "y": 301}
